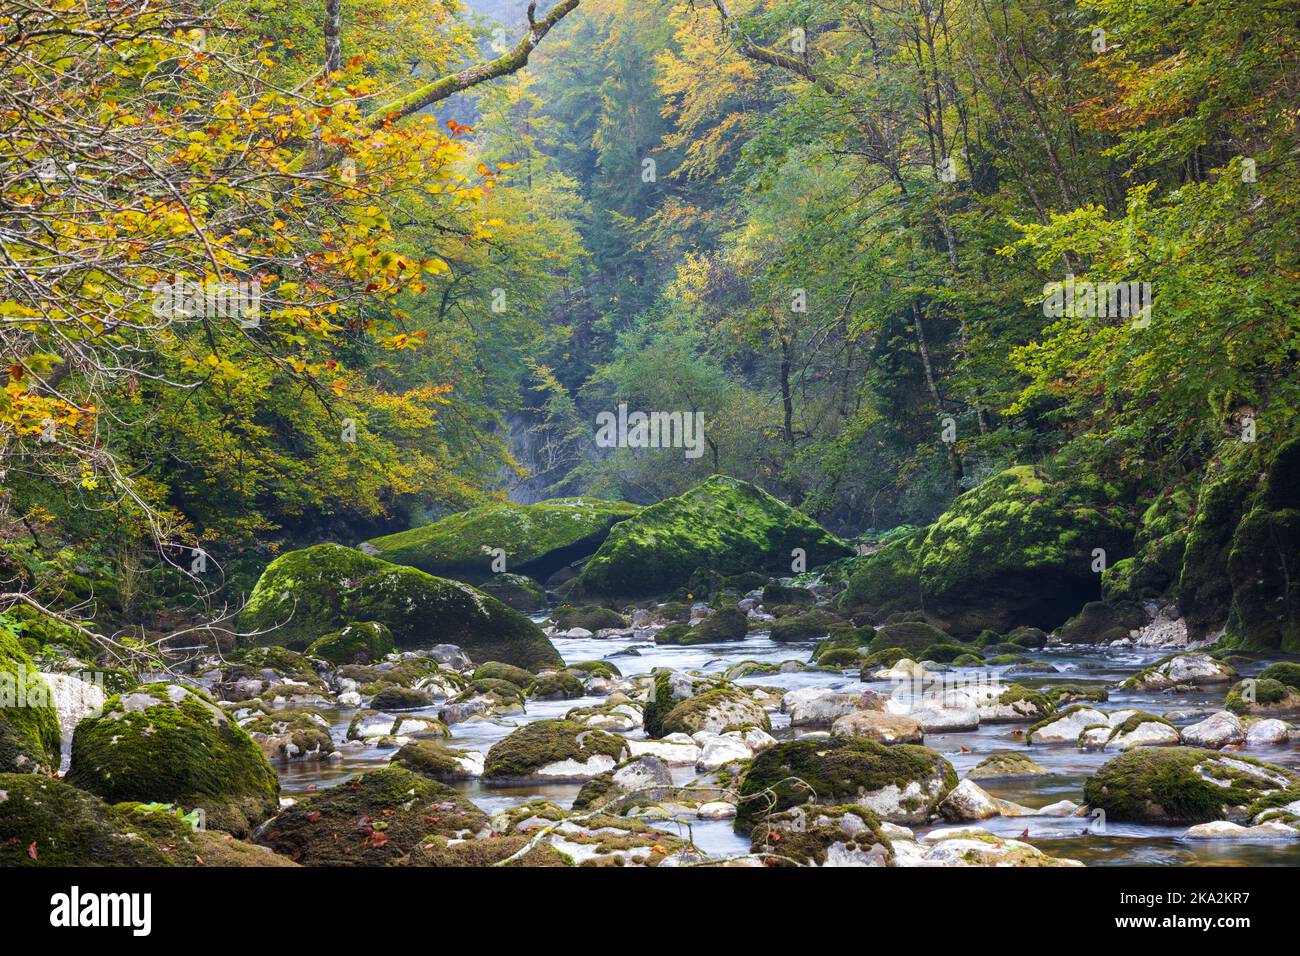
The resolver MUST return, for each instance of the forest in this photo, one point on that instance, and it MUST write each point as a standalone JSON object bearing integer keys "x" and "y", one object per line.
{"x": 618, "y": 400}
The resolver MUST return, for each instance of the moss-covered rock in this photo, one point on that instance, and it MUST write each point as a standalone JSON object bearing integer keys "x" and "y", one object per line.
{"x": 782, "y": 594}
{"x": 1190, "y": 669}
{"x": 438, "y": 762}
{"x": 495, "y": 670}
{"x": 45, "y": 822}
{"x": 372, "y": 820}
{"x": 1015, "y": 550}
{"x": 516, "y": 591}
{"x": 491, "y": 851}
{"x": 805, "y": 626}
{"x": 554, "y": 751}
{"x": 723, "y": 524}
{"x": 361, "y": 643}
{"x": 164, "y": 743}
{"x": 1284, "y": 672}
{"x": 715, "y": 710}
{"x": 724, "y": 624}
{"x": 822, "y": 836}
{"x": 1006, "y": 764}
{"x": 1101, "y": 623}
{"x": 593, "y": 617}
{"x": 393, "y": 697}
{"x": 290, "y": 735}
{"x": 901, "y": 784}
{"x": 912, "y": 636}
{"x": 538, "y": 539}
{"x": 306, "y": 594}
{"x": 1181, "y": 785}
{"x": 29, "y": 723}
{"x": 1242, "y": 559}
{"x": 1263, "y": 696}
{"x": 557, "y": 685}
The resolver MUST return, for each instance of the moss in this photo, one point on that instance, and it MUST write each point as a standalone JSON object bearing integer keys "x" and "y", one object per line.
{"x": 724, "y": 624}
{"x": 593, "y": 617}
{"x": 1180, "y": 784}
{"x": 1283, "y": 672}
{"x": 358, "y": 643}
{"x": 837, "y": 770}
{"x": 943, "y": 653}
{"x": 841, "y": 657}
{"x": 372, "y": 820}
{"x": 689, "y": 716}
{"x": 804, "y": 626}
{"x": 169, "y": 744}
{"x": 723, "y": 524}
{"x": 305, "y": 594}
{"x": 1052, "y": 718}
{"x": 1032, "y": 704}
{"x": 560, "y": 685}
{"x": 521, "y": 754}
{"x": 538, "y": 539}
{"x": 1014, "y": 550}
{"x": 393, "y": 697}
{"x": 432, "y": 760}
{"x": 1006, "y": 764}
{"x": 781, "y": 594}
{"x": 307, "y": 731}
{"x": 798, "y": 837}
{"x": 661, "y": 701}
{"x": 45, "y": 822}
{"x": 1101, "y": 623}
{"x": 912, "y": 636}
{"x": 1134, "y": 721}
{"x": 1268, "y": 693}
{"x": 495, "y": 670}
{"x": 29, "y": 724}
{"x": 885, "y": 657}
{"x": 1062, "y": 694}
{"x": 597, "y": 668}
{"x": 438, "y": 851}
{"x": 516, "y": 591}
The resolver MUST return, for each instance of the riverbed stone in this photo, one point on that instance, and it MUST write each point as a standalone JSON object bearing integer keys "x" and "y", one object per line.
{"x": 1190, "y": 669}
{"x": 1215, "y": 731}
{"x": 716, "y": 710}
{"x": 553, "y": 751}
{"x": 1065, "y": 726}
{"x": 878, "y": 726}
{"x": 824, "y": 709}
{"x": 29, "y": 722}
{"x": 1006, "y": 764}
{"x": 1267, "y": 732}
{"x": 439, "y": 762}
{"x": 839, "y": 836}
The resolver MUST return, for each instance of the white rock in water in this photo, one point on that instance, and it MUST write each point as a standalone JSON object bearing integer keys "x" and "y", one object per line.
{"x": 758, "y": 739}
{"x": 1062, "y": 808}
{"x": 1149, "y": 733}
{"x": 939, "y": 720}
{"x": 570, "y": 770}
{"x": 717, "y": 810}
{"x": 968, "y": 801}
{"x": 681, "y": 752}
{"x": 1224, "y": 830}
{"x": 74, "y": 699}
{"x": 1192, "y": 669}
{"x": 1068, "y": 726}
{"x": 577, "y": 632}
{"x": 1215, "y": 731}
{"x": 825, "y": 710}
{"x": 1270, "y": 731}
{"x": 720, "y": 750}
{"x": 350, "y": 699}
{"x": 802, "y": 695}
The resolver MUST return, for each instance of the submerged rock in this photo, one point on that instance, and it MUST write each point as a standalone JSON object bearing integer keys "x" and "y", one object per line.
{"x": 306, "y": 594}
{"x": 1191, "y": 669}
{"x": 166, "y": 743}
{"x": 1006, "y": 764}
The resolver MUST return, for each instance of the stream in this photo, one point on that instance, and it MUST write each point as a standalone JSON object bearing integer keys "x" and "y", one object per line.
{"x": 1122, "y": 844}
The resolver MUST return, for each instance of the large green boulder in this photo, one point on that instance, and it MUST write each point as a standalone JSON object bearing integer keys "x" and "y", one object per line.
{"x": 304, "y": 595}
{"x": 29, "y": 724}
{"x": 45, "y": 822}
{"x": 1016, "y": 550}
{"x": 723, "y": 525}
{"x": 1181, "y": 784}
{"x": 164, "y": 743}
{"x": 553, "y": 751}
{"x": 902, "y": 783}
{"x": 538, "y": 539}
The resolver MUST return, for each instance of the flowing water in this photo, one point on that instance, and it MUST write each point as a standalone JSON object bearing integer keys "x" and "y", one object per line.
{"x": 1120, "y": 844}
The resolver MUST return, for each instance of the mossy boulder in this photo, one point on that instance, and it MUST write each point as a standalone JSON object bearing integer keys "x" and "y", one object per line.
{"x": 361, "y": 643}
{"x": 805, "y": 626}
{"x": 437, "y": 762}
{"x": 1263, "y": 696}
{"x": 303, "y": 595}
{"x": 553, "y": 751}
{"x": 490, "y": 851}
{"x": 1284, "y": 672}
{"x": 1006, "y": 764}
{"x": 592, "y": 617}
{"x": 495, "y": 670}
{"x": 783, "y": 594}
{"x": 1241, "y": 568}
{"x": 723, "y": 524}
{"x": 1101, "y": 623}
{"x": 822, "y": 836}
{"x": 29, "y": 723}
{"x": 912, "y": 636}
{"x": 902, "y": 783}
{"x": 290, "y": 735}
{"x": 538, "y": 539}
{"x": 1015, "y": 550}
{"x": 843, "y": 644}
{"x": 724, "y": 624}
{"x": 516, "y": 591}
{"x": 394, "y": 697}
{"x": 1181, "y": 785}
{"x": 714, "y": 710}
{"x": 164, "y": 743}
{"x": 557, "y": 685}
{"x": 372, "y": 820}
{"x": 46, "y": 822}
